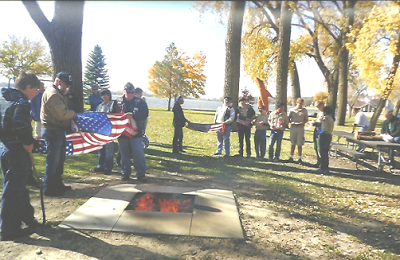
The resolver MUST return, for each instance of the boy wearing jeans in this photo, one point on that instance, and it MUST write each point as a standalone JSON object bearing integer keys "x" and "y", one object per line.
{"x": 278, "y": 121}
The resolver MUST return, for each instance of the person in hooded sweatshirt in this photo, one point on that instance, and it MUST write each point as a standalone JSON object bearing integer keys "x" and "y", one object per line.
{"x": 16, "y": 165}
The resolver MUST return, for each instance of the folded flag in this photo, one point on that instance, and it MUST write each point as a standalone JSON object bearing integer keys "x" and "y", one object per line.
{"x": 206, "y": 128}
{"x": 95, "y": 129}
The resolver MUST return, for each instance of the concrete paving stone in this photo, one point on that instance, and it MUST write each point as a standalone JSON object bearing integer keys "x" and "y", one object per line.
{"x": 154, "y": 223}
{"x": 215, "y": 203}
{"x": 223, "y": 193}
{"x": 96, "y": 214}
{"x": 118, "y": 192}
{"x": 215, "y": 224}
{"x": 164, "y": 189}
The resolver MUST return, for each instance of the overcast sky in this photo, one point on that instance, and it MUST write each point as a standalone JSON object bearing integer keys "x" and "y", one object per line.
{"x": 133, "y": 36}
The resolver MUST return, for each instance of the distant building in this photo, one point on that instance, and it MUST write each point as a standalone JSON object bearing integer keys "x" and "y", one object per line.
{"x": 371, "y": 105}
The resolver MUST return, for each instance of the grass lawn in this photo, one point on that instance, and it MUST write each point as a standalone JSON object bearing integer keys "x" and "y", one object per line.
{"x": 362, "y": 205}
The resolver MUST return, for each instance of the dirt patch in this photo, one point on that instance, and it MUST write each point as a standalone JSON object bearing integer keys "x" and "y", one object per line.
{"x": 269, "y": 234}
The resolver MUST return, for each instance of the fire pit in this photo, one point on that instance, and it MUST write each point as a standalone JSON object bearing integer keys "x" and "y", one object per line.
{"x": 162, "y": 202}
{"x": 167, "y": 210}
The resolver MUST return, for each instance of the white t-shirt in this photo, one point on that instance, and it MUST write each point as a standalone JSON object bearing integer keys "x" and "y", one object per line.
{"x": 361, "y": 119}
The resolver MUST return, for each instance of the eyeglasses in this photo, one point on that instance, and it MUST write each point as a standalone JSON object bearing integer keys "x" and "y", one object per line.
{"x": 130, "y": 92}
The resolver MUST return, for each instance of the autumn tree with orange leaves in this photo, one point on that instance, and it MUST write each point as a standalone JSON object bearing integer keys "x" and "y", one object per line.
{"x": 178, "y": 75}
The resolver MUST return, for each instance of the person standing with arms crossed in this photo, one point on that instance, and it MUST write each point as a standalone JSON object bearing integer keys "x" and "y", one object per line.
{"x": 178, "y": 122}
{"x": 298, "y": 117}
{"x": 56, "y": 118}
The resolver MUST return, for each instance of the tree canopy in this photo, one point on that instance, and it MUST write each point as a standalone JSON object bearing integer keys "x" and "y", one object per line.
{"x": 178, "y": 74}
{"x": 95, "y": 71}
{"x": 21, "y": 54}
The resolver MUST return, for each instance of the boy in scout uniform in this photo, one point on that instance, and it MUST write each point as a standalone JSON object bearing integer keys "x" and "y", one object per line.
{"x": 298, "y": 117}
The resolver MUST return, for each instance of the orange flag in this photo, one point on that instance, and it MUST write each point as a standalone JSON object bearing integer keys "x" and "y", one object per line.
{"x": 264, "y": 94}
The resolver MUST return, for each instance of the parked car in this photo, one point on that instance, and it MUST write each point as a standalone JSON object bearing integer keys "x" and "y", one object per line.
{"x": 312, "y": 111}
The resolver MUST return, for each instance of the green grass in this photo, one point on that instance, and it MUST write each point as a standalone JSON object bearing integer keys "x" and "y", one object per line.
{"x": 329, "y": 202}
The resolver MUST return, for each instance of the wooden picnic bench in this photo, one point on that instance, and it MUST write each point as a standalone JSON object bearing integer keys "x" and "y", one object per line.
{"x": 381, "y": 146}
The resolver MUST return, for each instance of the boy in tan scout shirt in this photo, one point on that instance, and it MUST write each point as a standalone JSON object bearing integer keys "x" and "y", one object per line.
{"x": 298, "y": 117}
{"x": 278, "y": 121}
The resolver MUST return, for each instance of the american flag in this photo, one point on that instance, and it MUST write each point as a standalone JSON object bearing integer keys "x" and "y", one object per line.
{"x": 92, "y": 131}
{"x": 207, "y": 128}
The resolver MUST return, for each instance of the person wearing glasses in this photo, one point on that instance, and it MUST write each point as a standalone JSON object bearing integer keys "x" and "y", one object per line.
{"x": 131, "y": 143}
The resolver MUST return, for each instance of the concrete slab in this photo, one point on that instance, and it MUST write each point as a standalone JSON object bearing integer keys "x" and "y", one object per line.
{"x": 215, "y": 203}
{"x": 96, "y": 214}
{"x": 154, "y": 223}
{"x": 118, "y": 192}
{"x": 164, "y": 189}
{"x": 217, "y": 192}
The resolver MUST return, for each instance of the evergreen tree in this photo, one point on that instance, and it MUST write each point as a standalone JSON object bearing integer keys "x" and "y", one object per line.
{"x": 96, "y": 73}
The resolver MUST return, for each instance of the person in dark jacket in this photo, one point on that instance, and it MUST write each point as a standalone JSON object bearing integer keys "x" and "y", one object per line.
{"x": 95, "y": 98}
{"x": 244, "y": 114}
{"x": 131, "y": 143}
{"x": 178, "y": 122}
{"x": 15, "y": 159}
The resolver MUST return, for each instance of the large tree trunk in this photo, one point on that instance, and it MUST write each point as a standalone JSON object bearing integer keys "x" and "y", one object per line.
{"x": 64, "y": 35}
{"x": 377, "y": 113}
{"x": 233, "y": 44}
{"x": 333, "y": 91}
{"x": 283, "y": 54}
{"x": 344, "y": 63}
{"x": 396, "y": 108}
{"x": 295, "y": 83}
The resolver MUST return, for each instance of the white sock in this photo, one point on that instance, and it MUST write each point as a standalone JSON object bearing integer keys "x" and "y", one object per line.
{"x": 291, "y": 156}
{"x": 299, "y": 157}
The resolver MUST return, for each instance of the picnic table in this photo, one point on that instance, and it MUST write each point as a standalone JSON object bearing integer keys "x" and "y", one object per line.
{"x": 381, "y": 146}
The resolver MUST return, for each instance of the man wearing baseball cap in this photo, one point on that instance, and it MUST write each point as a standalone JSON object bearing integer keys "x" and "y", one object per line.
{"x": 56, "y": 118}
{"x": 131, "y": 143}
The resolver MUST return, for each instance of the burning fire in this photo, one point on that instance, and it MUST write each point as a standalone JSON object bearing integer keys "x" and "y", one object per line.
{"x": 163, "y": 203}
{"x": 145, "y": 203}
{"x": 173, "y": 205}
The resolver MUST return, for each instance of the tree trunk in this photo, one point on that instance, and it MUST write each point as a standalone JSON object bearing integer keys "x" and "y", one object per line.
{"x": 377, "y": 113}
{"x": 295, "y": 83}
{"x": 333, "y": 91}
{"x": 64, "y": 35}
{"x": 344, "y": 63}
{"x": 397, "y": 108}
{"x": 283, "y": 54}
{"x": 233, "y": 45}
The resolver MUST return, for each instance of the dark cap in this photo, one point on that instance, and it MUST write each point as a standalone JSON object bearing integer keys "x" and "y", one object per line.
{"x": 228, "y": 98}
{"x": 129, "y": 86}
{"x": 65, "y": 77}
{"x": 95, "y": 86}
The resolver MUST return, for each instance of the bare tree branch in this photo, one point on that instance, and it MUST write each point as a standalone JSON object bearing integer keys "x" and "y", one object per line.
{"x": 273, "y": 25}
{"x": 38, "y": 16}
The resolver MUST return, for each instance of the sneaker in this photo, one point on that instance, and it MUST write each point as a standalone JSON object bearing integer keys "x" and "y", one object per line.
{"x": 53, "y": 193}
{"x": 290, "y": 160}
{"x": 217, "y": 153}
{"x": 299, "y": 161}
{"x": 125, "y": 178}
{"x": 97, "y": 169}
{"x": 276, "y": 160}
{"x": 16, "y": 234}
{"x": 321, "y": 171}
{"x": 238, "y": 155}
{"x": 227, "y": 156}
{"x": 142, "y": 178}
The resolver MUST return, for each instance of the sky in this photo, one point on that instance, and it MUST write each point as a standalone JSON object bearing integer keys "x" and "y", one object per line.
{"x": 134, "y": 34}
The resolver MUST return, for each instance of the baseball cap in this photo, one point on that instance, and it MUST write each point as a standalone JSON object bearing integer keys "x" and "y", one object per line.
{"x": 65, "y": 77}
{"x": 228, "y": 98}
{"x": 129, "y": 86}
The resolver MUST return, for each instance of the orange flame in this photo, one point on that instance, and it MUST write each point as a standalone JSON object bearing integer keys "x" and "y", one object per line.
{"x": 145, "y": 203}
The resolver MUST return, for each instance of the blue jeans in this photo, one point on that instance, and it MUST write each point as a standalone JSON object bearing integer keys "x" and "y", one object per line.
{"x": 15, "y": 203}
{"x": 106, "y": 157}
{"x": 362, "y": 146}
{"x": 276, "y": 136}
{"x": 132, "y": 146}
{"x": 260, "y": 140}
{"x": 224, "y": 138}
{"x": 56, "y": 153}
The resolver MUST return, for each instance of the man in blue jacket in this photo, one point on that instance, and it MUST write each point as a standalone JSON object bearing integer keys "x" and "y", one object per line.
{"x": 95, "y": 98}
{"x": 36, "y": 103}
{"x": 16, "y": 135}
{"x": 137, "y": 109}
